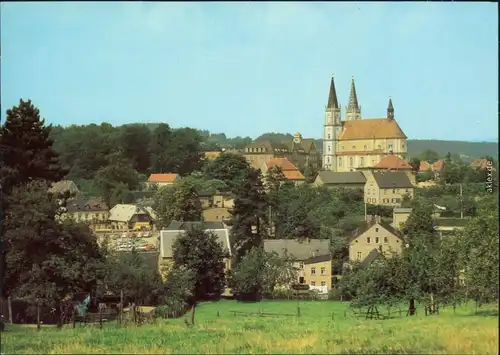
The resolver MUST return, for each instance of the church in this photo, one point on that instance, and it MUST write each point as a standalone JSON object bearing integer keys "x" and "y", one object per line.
{"x": 356, "y": 143}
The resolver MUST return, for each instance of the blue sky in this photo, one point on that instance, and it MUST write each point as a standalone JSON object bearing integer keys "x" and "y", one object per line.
{"x": 249, "y": 68}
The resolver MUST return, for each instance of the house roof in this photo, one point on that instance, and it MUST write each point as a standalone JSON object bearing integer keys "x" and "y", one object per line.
{"x": 299, "y": 250}
{"x": 178, "y": 225}
{"x": 212, "y": 155}
{"x": 371, "y": 128}
{"x": 293, "y": 175}
{"x": 168, "y": 237}
{"x": 481, "y": 164}
{"x": 305, "y": 144}
{"x": 424, "y": 166}
{"x": 392, "y": 179}
{"x": 124, "y": 212}
{"x": 318, "y": 259}
{"x": 283, "y": 163}
{"x": 63, "y": 186}
{"x": 268, "y": 146}
{"x": 371, "y": 257}
{"x": 165, "y": 178}
{"x": 438, "y": 165}
{"x": 347, "y": 177}
{"x": 83, "y": 205}
{"x": 393, "y": 162}
{"x": 367, "y": 225}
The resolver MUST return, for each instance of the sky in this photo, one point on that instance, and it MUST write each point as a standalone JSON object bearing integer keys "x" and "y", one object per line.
{"x": 248, "y": 68}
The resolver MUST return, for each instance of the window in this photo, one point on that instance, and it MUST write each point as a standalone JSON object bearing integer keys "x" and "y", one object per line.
{"x": 379, "y": 146}
{"x": 386, "y": 240}
{"x": 340, "y": 161}
{"x": 376, "y": 229}
{"x": 362, "y": 161}
{"x": 353, "y": 147}
{"x": 368, "y": 240}
{"x": 385, "y": 192}
{"x": 350, "y": 161}
{"x": 342, "y": 147}
{"x": 301, "y": 265}
{"x": 390, "y": 146}
{"x": 365, "y": 147}
{"x": 301, "y": 280}
{"x": 403, "y": 145}
{"x": 359, "y": 255}
{"x": 323, "y": 271}
{"x": 329, "y": 148}
{"x": 356, "y": 240}
{"x": 377, "y": 240}
{"x": 313, "y": 283}
{"x": 323, "y": 283}
{"x": 328, "y": 159}
{"x": 394, "y": 191}
{"x": 329, "y": 135}
{"x": 313, "y": 271}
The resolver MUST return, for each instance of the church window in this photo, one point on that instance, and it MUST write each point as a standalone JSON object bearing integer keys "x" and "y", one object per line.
{"x": 353, "y": 147}
{"x": 361, "y": 161}
{"x": 328, "y": 159}
{"x": 329, "y": 135}
{"x": 403, "y": 145}
{"x": 350, "y": 161}
{"x": 364, "y": 147}
{"x": 340, "y": 161}
{"x": 329, "y": 148}
{"x": 342, "y": 147}
{"x": 379, "y": 146}
{"x": 390, "y": 146}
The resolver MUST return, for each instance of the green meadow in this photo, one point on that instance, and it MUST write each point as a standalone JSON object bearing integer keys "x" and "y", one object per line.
{"x": 322, "y": 327}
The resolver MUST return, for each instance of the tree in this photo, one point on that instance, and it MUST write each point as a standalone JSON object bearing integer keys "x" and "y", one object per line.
{"x": 248, "y": 215}
{"x": 113, "y": 178}
{"x": 26, "y": 148}
{"x": 310, "y": 173}
{"x": 158, "y": 147}
{"x": 46, "y": 260}
{"x": 415, "y": 164}
{"x": 199, "y": 252}
{"x": 133, "y": 142}
{"x": 184, "y": 152}
{"x": 179, "y": 202}
{"x": 273, "y": 182}
{"x": 246, "y": 278}
{"x": 232, "y": 169}
{"x": 429, "y": 156}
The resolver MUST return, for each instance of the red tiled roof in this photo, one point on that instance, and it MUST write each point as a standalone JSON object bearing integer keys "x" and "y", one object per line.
{"x": 293, "y": 175}
{"x": 162, "y": 177}
{"x": 424, "y": 166}
{"x": 283, "y": 163}
{"x": 393, "y": 162}
{"x": 438, "y": 166}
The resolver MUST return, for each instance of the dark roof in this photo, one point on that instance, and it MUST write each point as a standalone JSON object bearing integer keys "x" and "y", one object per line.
{"x": 347, "y": 177}
{"x": 392, "y": 179}
{"x": 370, "y": 258}
{"x": 353, "y": 98}
{"x": 318, "y": 259}
{"x": 78, "y": 205}
{"x": 301, "y": 250}
{"x": 269, "y": 147}
{"x": 367, "y": 225}
{"x": 175, "y": 225}
{"x": 332, "y": 97}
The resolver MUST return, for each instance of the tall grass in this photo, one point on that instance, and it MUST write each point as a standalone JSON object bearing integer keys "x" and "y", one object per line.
{"x": 323, "y": 327}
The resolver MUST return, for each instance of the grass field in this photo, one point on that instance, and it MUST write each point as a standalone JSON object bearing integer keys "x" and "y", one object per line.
{"x": 217, "y": 330}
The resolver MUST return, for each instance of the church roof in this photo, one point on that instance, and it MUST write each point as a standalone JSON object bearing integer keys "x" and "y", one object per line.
{"x": 393, "y": 162}
{"x": 332, "y": 97}
{"x": 371, "y": 128}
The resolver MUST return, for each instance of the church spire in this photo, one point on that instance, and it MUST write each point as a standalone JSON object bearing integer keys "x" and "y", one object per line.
{"x": 390, "y": 110}
{"x": 332, "y": 96}
{"x": 353, "y": 98}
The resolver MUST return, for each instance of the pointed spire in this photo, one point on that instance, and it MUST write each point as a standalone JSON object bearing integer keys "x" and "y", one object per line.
{"x": 332, "y": 96}
{"x": 390, "y": 110}
{"x": 353, "y": 99}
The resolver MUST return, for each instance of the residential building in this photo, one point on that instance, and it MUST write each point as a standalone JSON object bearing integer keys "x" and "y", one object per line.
{"x": 65, "y": 186}
{"x": 216, "y": 214}
{"x": 290, "y": 171}
{"x": 443, "y": 225}
{"x": 399, "y": 216}
{"x": 299, "y": 151}
{"x": 131, "y": 217}
{"x": 162, "y": 179}
{"x": 482, "y": 163}
{"x": 94, "y": 212}
{"x": 350, "y": 179}
{"x": 211, "y": 199}
{"x": 211, "y": 155}
{"x": 374, "y": 234}
{"x": 170, "y": 234}
{"x": 392, "y": 163}
{"x": 300, "y": 251}
{"x": 318, "y": 272}
{"x": 355, "y": 142}
{"x": 435, "y": 167}
{"x": 387, "y": 188}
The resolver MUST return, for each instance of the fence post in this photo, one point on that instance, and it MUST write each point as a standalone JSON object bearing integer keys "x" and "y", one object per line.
{"x": 100, "y": 316}
{"x": 38, "y": 315}
{"x": 9, "y": 304}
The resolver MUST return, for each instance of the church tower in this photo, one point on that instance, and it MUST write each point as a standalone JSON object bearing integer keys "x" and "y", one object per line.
{"x": 332, "y": 130}
{"x": 353, "y": 110}
{"x": 390, "y": 110}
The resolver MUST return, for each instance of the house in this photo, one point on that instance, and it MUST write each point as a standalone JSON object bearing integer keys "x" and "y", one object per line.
{"x": 350, "y": 179}
{"x": 435, "y": 167}
{"x": 298, "y": 151}
{"x": 290, "y": 171}
{"x": 374, "y": 234}
{"x": 394, "y": 163}
{"x": 93, "y": 212}
{"x": 318, "y": 272}
{"x": 300, "y": 251}
{"x": 216, "y": 214}
{"x": 371, "y": 258}
{"x": 175, "y": 229}
{"x": 162, "y": 179}
{"x": 443, "y": 225}
{"x": 387, "y": 188}
{"x": 211, "y": 199}
{"x": 356, "y": 141}
{"x": 131, "y": 217}
{"x": 63, "y": 186}
{"x": 399, "y": 216}
{"x": 482, "y": 163}
{"x": 211, "y": 155}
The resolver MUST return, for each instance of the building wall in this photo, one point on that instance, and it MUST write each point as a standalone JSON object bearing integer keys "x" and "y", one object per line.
{"x": 399, "y": 218}
{"x": 216, "y": 214}
{"x": 318, "y": 274}
{"x": 257, "y": 159}
{"x": 360, "y": 247}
